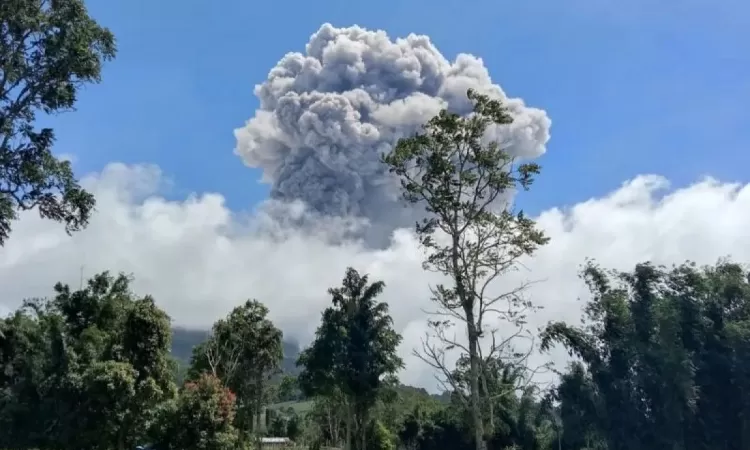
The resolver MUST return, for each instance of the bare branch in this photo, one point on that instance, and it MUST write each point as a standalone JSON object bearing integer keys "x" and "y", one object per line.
{"x": 463, "y": 182}
{"x": 223, "y": 356}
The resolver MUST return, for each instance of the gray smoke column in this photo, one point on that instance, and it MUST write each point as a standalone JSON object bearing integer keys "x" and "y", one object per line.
{"x": 326, "y": 116}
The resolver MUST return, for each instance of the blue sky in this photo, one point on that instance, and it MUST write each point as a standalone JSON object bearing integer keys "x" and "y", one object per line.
{"x": 631, "y": 87}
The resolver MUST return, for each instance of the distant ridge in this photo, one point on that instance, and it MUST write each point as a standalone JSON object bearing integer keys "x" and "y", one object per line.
{"x": 184, "y": 339}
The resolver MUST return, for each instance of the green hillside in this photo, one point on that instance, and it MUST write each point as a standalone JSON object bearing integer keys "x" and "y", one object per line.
{"x": 183, "y": 341}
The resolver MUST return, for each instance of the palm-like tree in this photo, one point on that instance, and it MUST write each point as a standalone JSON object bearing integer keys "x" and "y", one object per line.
{"x": 354, "y": 348}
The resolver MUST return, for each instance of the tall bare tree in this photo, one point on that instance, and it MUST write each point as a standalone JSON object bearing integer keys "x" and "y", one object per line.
{"x": 470, "y": 234}
{"x": 244, "y": 351}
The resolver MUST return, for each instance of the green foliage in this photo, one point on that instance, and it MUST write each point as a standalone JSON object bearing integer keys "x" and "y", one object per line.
{"x": 458, "y": 178}
{"x": 326, "y": 421}
{"x": 277, "y": 426}
{"x": 185, "y": 340}
{"x": 435, "y": 430}
{"x": 109, "y": 347}
{"x": 288, "y": 389}
{"x": 354, "y": 348}
{"x": 202, "y": 418}
{"x": 294, "y": 427}
{"x": 244, "y": 351}
{"x": 81, "y": 369}
{"x": 355, "y": 345}
{"x": 379, "y": 437}
{"x": 48, "y": 50}
{"x": 470, "y": 234}
{"x": 284, "y": 424}
{"x": 664, "y": 360}
{"x": 398, "y": 401}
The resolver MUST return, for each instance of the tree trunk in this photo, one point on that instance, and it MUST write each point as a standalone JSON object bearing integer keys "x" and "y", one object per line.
{"x": 122, "y": 434}
{"x": 474, "y": 368}
{"x": 258, "y": 403}
{"x": 490, "y": 399}
{"x": 362, "y": 418}
{"x": 363, "y": 432}
{"x": 467, "y": 301}
{"x": 241, "y": 438}
{"x": 348, "y": 445}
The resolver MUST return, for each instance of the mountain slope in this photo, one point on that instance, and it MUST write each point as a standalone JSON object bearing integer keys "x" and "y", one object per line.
{"x": 184, "y": 339}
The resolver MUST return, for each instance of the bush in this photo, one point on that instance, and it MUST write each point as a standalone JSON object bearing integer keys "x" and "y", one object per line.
{"x": 200, "y": 419}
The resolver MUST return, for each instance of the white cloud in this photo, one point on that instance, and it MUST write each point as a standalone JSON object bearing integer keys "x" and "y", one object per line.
{"x": 199, "y": 259}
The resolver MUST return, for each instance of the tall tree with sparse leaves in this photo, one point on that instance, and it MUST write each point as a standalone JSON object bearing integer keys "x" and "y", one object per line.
{"x": 244, "y": 351}
{"x": 353, "y": 351}
{"x": 49, "y": 49}
{"x": 470, "y": 232}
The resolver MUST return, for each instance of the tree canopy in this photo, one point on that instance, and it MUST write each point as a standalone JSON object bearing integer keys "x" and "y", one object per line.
{"x": 663, "y": 359}
{"x": 470, "y": 233}
{"x": 49, "y": 49}
{"x": 244, "y": 351}
{"x": 354, "y": 349}
{"x": 84, "y": 367}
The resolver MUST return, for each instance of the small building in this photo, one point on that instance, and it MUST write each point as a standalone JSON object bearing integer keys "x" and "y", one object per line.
{"x": 275, "y": 442}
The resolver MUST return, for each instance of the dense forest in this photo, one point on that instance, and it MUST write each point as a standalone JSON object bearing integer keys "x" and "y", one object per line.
{"x": 660, "y": 361}
{"x": 663, "y": 360}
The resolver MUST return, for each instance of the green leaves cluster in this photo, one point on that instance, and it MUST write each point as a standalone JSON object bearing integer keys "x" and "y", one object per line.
{"x": 664, "y": 360}
{"x": 244, "y": 351}
{"x": 49, "y": 49}
{"x": 354, "y": 349}
{"x": 202, "y": 418}
{"x": 86, "y": 369}
{"x": 464, "y": 180}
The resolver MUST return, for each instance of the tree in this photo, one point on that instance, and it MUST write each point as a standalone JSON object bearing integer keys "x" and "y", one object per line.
{"x": 48, "y": 50}
{"x": 107, "y": 323}
{"x": 435, "y": 430}
{"x": 277, "y": 426}
{"x": 399, "y": 401}
{"x": 327, "y": 421}
{"x": 201, "y": 419}
{"x": 111, "y": 393}
{"x": 354, "y": 349}
{"x": 85, "y": 369}
{"x": 470, "y": 233}
{"x": 33, "y": 359}
{"x": 288, "y": 389}
{"x": 293, "y": 427}
{"x": 219, "y": 355}
{"x": 244, "y": 351}
{"x": 579, "y": 411}
{"x": 664, "y": 359}
{"x": 379, "y": 437}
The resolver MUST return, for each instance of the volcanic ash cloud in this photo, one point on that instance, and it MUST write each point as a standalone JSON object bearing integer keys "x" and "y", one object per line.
{"x": 327, "y": 115}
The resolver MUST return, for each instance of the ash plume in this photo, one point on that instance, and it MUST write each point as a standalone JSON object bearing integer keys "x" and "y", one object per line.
{"x": 327, "y": 115}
